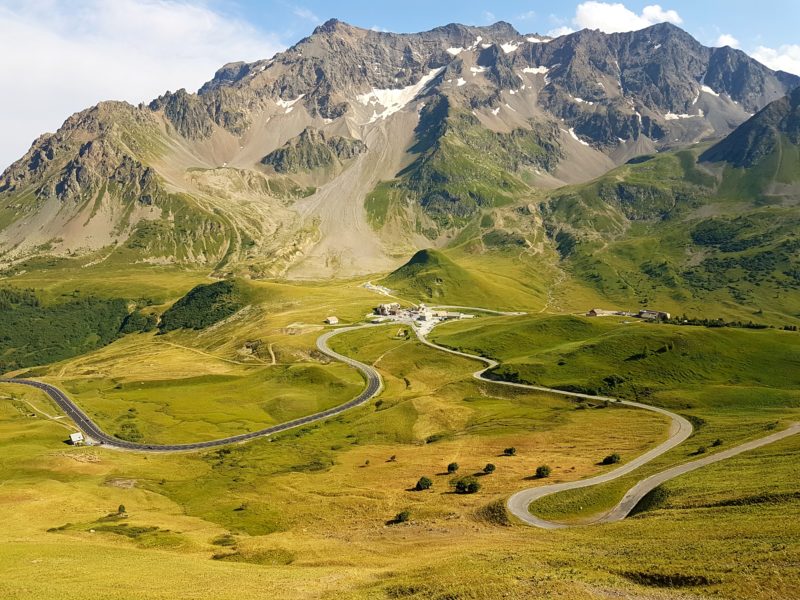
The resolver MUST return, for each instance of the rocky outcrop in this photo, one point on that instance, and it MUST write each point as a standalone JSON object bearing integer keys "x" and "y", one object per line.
{"x": 313, "y": 149}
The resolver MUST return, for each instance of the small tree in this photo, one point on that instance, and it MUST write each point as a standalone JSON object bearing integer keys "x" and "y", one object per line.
{"x": 452, "y": 468}
{"x": 121, "y": 509}
{"x": 510, "y": 451}
{"x": 542, "y": 471}
{"x": 717, "y": 442}
{"x": 611, "y": 459}
{"x": 393, "y": 458}
{"x": 467, "y": 485}
{"x": 402, "y": 517}
{"x": 423, "y": 484}
{"x": 488, "y": 469}
{"x": 701, "y": 450}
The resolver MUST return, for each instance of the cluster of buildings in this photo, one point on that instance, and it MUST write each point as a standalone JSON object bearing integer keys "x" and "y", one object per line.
{"x": 649, "y": 315}
{"x": 420, "y": 312}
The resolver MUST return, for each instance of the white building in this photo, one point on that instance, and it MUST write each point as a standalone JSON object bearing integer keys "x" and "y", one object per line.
{"x": 76, "y": 439}
{"x": 332, "y": 320}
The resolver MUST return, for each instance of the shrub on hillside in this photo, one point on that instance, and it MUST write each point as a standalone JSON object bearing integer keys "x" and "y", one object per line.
{"x": 488, "y": 469}
{"x": 467, "y": 485}
{"x": 402, "y": 516}
{"x": 510, "y": 451}
{"x": 424, "y": 483}
{"x": 611, "y": 459}
{"x": 452, "y": 468}
{"x": 542, "y": 471}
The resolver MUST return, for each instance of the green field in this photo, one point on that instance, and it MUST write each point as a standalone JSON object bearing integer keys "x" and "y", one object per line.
{"x": 309, "y": 513}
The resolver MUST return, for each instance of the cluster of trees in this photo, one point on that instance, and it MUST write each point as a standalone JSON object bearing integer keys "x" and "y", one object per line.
{"x": 704, "y": 322}
{"x": 465, "y": 485}
{"x": 33, "y": 333}
{"x": 203, "y": 306}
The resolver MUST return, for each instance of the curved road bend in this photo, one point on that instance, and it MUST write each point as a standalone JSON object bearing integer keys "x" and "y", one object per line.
{"x": 680, "y": 430}
{"x": 93, "y": 431}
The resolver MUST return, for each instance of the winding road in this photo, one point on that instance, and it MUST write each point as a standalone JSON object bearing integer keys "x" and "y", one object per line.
{"x": 518, "y": 504}
{"x": 680, "y": 429}
{"x": 93, "y": 431}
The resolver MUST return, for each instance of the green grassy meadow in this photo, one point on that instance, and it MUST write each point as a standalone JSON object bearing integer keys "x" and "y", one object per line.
{"x": 309, "y": 513}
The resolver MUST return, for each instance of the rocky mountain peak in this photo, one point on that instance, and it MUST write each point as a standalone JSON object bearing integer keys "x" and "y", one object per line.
{"x": 330, "y": 26}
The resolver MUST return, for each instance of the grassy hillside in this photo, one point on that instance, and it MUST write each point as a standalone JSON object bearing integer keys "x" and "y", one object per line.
{"x": 460, "y": 169}
{"x": 665, "y": 233}
{"x": 733, "y": 384}
{"x": 306, "y": 514}
{"x": 432, "y": 276}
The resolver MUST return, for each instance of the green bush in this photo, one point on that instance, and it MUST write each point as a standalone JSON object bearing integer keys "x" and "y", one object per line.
{"x": 489, "y": 468}
{"x": 137, "y": 322}
{"x": 467, "y": 485}
{"x": 402, "y": 516}
{"x": 542, "y": 471}
{"x": 452, "y": 468}
{"x": 424, "y": 483}
{"x": 510, "y": 451}
{"x": 611, "y": 459}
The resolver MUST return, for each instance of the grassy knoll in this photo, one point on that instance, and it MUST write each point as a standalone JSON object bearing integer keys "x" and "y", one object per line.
{"x": 433, "y": 276}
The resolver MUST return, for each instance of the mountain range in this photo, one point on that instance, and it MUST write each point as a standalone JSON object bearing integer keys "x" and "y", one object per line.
{"x": 353, "y": 149}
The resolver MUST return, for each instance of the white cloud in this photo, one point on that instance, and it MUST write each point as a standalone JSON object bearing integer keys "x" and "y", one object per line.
{"x": 783, "y": 58}
{"x": 616, "y": 17}
{"x": 559, "y": 31}
{"x": 527, "y": 16}
{"x": 59, "y": 58}
{"x": 489, "y": 17}
{"x": 726, "y": 39}
{"x": 306, "y": 15}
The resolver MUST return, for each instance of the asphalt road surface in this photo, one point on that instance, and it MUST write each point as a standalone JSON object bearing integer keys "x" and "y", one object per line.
{"x": 680, "y": 430}
{"x": 93, "y": 431}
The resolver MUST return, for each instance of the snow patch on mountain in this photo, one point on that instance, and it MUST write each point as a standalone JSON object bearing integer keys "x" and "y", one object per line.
{"x": 393, "y": 100}
{"x": 576, "y": 138}
{"x": 536, "y": 70}
{"x": 288, "y": 103}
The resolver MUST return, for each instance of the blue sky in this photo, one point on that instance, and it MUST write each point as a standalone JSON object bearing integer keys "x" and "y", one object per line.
{"x": 66, "y": 55}
{"x": 771, "y": 23}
